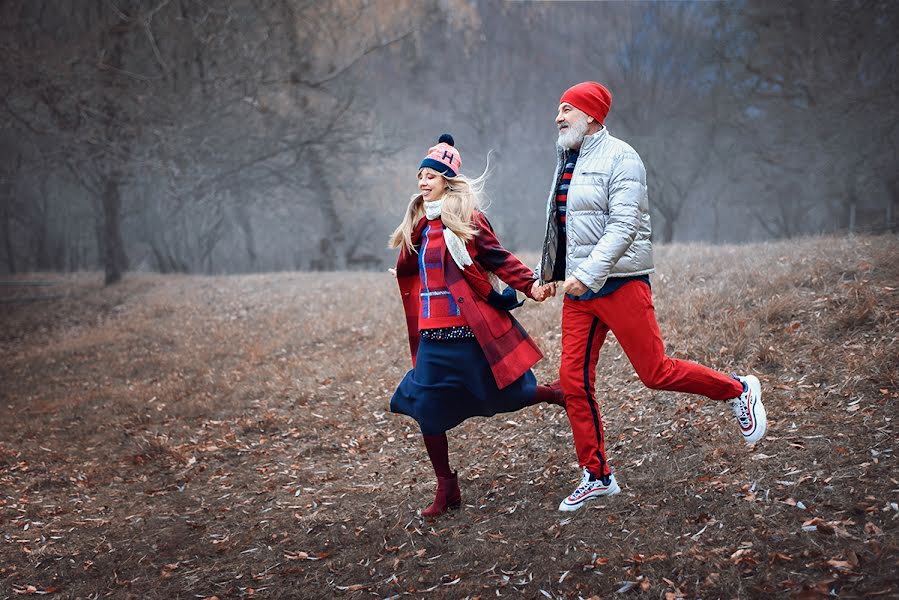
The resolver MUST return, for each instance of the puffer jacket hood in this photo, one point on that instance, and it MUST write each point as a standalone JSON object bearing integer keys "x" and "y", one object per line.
{"x": 607, "y": 224}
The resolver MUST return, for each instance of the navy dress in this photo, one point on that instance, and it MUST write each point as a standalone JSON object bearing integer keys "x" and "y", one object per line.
{"x": 451, "y": 382}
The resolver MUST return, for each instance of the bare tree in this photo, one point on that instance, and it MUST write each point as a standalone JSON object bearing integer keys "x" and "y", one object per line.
{"x": 674, "y": 110}
{"x": 201, "y": 105}
{"x": 184, "y": 135}
{"x": 822, "y": 84}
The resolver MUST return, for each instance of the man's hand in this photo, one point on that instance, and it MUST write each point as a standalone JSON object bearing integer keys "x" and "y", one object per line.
{"x": 574, "y": 287}
{"x": 542, "y": 292}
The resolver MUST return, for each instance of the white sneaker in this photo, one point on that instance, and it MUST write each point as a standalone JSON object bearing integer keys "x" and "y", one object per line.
{"x": 587, "y": 490}
{"x": 749, "y": 410}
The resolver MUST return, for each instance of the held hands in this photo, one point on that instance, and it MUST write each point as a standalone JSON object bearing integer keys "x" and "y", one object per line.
{"x": 571, "y": 286}
{"x": 542, "y": 292}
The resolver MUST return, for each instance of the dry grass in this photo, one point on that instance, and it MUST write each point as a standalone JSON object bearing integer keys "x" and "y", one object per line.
{"x": 229, "y": 436}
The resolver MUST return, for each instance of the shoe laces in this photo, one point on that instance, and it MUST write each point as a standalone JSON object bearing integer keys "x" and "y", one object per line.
{"x": 585, "y": 483}
{"x": 740, "y": 406}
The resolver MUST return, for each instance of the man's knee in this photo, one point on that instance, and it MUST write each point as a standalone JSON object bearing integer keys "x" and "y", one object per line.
{"x": 655, "y": 377}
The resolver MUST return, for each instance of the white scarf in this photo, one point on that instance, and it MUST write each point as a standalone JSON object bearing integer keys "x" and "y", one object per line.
{"x": 454, "y": 243}
{"x": 456, "y": 246}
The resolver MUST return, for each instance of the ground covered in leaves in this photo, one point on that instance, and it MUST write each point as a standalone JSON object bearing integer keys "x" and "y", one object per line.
{"x": 200, "y": 437}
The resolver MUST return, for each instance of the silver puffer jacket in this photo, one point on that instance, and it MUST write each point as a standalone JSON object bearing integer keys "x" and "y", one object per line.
{"x": 607, "y": 215}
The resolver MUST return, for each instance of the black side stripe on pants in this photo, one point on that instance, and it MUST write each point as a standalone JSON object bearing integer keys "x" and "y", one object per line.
{"x": 591, "y": 400}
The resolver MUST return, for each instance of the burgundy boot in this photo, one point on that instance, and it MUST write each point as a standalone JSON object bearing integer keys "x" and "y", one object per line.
{"x": 448, "y": 496}
{"x": 551, "y": 394}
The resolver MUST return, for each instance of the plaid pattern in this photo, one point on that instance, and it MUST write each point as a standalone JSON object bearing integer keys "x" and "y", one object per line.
{"x": 438, "y": 306}
{"x": 507, "y": 346}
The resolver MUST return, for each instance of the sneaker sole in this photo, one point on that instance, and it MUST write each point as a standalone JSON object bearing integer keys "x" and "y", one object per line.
{"x": 609, "y": 491}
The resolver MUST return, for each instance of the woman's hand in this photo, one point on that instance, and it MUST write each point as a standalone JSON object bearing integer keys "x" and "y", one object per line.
{"x": 542, "y": 292}
{"x": 392, "y": 271}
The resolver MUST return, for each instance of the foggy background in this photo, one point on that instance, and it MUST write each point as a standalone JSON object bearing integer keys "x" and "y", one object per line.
{"x": 255, "y": 135}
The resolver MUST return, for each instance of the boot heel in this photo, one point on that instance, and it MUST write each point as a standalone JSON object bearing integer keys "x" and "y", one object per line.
{"x": 448, "y": 497}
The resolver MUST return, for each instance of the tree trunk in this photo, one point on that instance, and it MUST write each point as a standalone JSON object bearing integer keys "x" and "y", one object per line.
{"x": 242, "y": 218}
{"x": 890, "y": 225}
{"x": 8, "y": 211}
{"x": 39, "y": 248}
{"x": 332, "y": 247}
{"x": 116, "y": 114}
{"x": 892, "y": 200}
{"x": 114, "y": 260}
{"x": 668, "y": 231}
{"x": 7, "y": 238}
{"x": 209, "y": 240}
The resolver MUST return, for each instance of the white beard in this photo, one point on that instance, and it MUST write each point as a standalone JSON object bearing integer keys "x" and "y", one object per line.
{"x": 573, "y": 136}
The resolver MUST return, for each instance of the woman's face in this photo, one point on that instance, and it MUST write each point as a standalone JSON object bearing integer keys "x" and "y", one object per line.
{"x": 431, "y": 184}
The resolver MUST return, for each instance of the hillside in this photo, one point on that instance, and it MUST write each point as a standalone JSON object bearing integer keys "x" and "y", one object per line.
{"x": 193, "y": 437}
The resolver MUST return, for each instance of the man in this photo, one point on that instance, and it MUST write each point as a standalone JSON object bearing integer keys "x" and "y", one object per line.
{"x": 598, "y": 246}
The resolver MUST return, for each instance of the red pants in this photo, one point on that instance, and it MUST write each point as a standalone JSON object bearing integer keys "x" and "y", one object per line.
{"x": 629, "y": 314}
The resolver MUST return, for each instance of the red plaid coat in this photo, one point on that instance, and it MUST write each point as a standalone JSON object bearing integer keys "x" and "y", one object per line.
{"x": 509, "y": 349}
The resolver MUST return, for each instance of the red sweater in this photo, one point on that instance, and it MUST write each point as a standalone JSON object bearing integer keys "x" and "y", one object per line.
{"x": 438, "y": 307}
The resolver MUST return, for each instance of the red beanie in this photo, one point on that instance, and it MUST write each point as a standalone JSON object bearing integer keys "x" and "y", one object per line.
{"x": 589, "y": 97}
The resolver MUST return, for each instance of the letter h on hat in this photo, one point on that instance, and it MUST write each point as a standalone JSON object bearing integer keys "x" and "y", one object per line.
{"x": 444, "y": 157}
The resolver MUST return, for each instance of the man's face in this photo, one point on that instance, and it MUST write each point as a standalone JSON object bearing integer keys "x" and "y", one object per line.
{"x": 573, "y": 125}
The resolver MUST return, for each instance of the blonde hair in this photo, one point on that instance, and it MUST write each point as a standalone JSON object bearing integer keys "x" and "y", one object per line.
{"x": 462, "y": 197}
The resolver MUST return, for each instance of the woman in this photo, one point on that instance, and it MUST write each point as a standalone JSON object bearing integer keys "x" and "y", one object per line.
{"x": 470, "y": 357}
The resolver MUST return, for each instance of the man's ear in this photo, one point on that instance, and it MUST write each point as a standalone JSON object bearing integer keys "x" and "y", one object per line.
{"x": 590, "y": 119}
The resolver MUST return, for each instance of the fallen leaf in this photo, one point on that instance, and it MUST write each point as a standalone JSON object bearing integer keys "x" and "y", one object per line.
{"x": 781, "y": 557}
